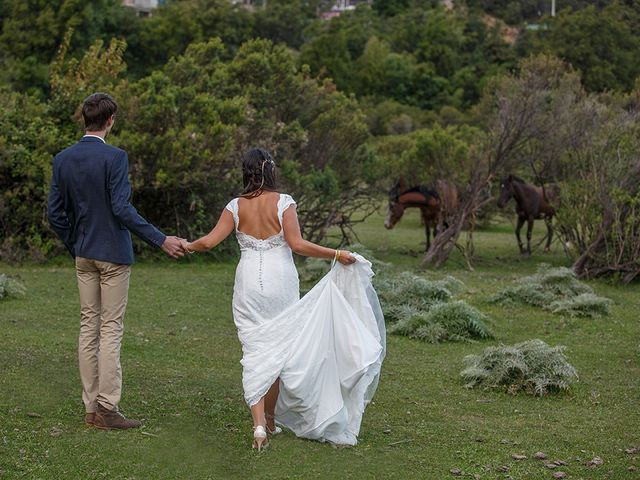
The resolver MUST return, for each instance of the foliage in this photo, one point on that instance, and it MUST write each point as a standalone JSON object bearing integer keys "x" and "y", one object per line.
{"x": 409, "y": 290}
{"x": 599, "y": 217}
{"x": 73, "y": 79}
{"x": 583, "y": 305}
{"x": 531, "y": 366}
{"x": 604, "y": 45}
{"x": 200, "y": 80}
{"x": 176, "y": 25}
{"x": 516, "y": 11}
{"x": 28, "y": 140}
{"x": 557, "y": 290}
{"x": 423, "y": 309}
{"x": 285, "y": 21}
{"x": 11, "y": 287}
{"x": 186, "y": 125}
{"x": 32, "y": 31}
{"x": 425, "y": 56}
{"x": 518, "y": 115}
{"x": 455, "y": 321}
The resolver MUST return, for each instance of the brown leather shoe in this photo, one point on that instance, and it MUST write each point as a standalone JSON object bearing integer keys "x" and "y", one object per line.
{"x": 90, "y": 419}
{"x": 109, "y": 420}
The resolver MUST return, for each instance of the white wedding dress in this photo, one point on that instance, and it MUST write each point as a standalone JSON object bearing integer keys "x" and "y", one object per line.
{"x": 327, "y": 348}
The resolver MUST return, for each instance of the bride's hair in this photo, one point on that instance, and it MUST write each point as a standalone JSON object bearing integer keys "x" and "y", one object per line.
{"x": 258, "y": 172}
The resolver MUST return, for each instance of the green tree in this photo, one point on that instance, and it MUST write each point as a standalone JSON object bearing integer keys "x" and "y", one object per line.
{"x": 604, "y": 45}
{"x": 32, "y": 30}
{"x": 285, "y": 21}
{"x": 28, "y": 140}
{"x": 185, "y": 126}
{"x": 333, "y": 46}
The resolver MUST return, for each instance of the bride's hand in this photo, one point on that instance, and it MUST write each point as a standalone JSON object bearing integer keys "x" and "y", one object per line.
{"x": 346, "y": 258}
{"x": 185, "y": 245}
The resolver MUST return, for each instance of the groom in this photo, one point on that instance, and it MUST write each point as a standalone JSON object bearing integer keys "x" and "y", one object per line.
{"x": 89, "y": 210}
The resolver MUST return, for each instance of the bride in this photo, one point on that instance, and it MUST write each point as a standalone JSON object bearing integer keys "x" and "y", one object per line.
{"x": 311, "y": 364}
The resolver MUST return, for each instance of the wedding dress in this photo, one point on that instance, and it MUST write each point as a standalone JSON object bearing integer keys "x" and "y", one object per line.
{"x": 327, "y": 348}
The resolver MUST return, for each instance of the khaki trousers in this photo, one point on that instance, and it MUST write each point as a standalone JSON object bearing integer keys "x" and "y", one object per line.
{"x": 104, "y": 289}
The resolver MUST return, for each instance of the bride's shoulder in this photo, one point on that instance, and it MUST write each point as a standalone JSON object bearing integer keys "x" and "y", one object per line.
{"x": 286, "y": 198}
{"x": 232, "y": 204}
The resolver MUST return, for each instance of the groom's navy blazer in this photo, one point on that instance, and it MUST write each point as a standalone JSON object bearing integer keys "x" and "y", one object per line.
{"x": 89, "y": 205}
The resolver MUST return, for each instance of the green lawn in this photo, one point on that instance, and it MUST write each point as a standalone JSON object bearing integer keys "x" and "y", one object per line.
{"x": 182, "y": 376}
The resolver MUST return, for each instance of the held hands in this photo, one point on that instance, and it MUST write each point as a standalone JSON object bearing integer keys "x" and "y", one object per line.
{"x": 174, "y": 247}
{"x": 344, "y": 257}
{"x": 185, "y": 246}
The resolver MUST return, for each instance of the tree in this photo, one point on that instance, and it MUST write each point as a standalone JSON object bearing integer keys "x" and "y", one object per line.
{"x": 285, "y": 21}
{"x": 186, "y": 125}
{"x": 28, "y": 140}
{"x": 602, "y": 44}
{"x": 32, "y": 30}
{"x": 519, "y": 114}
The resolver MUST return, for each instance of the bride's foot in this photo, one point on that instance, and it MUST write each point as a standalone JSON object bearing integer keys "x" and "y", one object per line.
{"x": 272, "y": 428}
{"x": 260, "y": 438}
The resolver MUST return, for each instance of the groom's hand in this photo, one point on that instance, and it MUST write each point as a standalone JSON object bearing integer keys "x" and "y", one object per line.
{"x": 173, "y": 247}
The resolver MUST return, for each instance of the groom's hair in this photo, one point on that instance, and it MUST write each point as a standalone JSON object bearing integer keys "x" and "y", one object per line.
{"x": 96, "y": 111}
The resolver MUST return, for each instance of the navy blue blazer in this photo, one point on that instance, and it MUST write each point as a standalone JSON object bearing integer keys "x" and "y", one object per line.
{"x": 89, "y": 205}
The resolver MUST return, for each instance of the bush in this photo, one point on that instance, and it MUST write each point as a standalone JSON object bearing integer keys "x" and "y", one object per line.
{"x": 408, "y": 289}
{"x": 11, "y": 287}
{"x": 557, "y": 290}
{"x": 584, "y": 305}
{"x": 451, "y": 321}
{"x": 531, "y": 366}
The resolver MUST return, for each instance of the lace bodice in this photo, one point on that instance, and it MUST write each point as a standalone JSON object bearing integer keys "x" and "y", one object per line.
{"x": 249, "y": 242}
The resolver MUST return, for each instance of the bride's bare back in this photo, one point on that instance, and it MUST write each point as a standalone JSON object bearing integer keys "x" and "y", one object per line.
{"x": 258, "y": 216}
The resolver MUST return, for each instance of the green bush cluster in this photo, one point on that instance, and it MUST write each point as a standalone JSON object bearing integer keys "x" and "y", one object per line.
{"x": 557, "y": 290}
{"x": 11, "y": 287}
{"x": 532, "y": 366}
{"x": 455, "y": 321}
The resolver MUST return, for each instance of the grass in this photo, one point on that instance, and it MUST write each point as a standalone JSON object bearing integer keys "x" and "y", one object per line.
{"x": 182, "y": 376}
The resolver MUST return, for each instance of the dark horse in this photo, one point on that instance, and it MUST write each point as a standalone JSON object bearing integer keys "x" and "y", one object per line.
{"x": 532, "y": 203}
{"x": 435, "y": 204}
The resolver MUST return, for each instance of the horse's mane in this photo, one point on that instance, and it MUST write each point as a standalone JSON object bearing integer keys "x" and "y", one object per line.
{"x": 424, "y": 190}
{"x": 517, "y": 179}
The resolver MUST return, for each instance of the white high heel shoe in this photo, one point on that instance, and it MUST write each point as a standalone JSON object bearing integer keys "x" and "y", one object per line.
{"x": 259, "y": 438}
{"x": 276, "y": 430}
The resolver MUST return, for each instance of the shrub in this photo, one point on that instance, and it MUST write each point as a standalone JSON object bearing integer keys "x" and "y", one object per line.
{"x": 532, "y": 366}
{"x": 557, "y": 290}
{"x": 448, "y": 321}
{"x": 412, "y": 290}
{"x": 584, "y": 305}
{"x": 11, "y": 287}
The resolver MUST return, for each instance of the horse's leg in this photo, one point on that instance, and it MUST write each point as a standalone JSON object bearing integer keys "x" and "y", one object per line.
{"x": 548, "y": 221}
{"x": 529, "y": 233}
{"x": 428, "y": 232}
{"x": 426, "y": 223}
{"x": 518, "y": 227}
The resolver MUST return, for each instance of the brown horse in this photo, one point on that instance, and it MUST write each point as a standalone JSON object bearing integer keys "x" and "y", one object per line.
{"x": 435, "y": 205}
{"x": 532, "y": 202}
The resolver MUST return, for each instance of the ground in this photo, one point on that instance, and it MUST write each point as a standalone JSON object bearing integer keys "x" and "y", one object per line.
{"x": 182, "y": 376}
